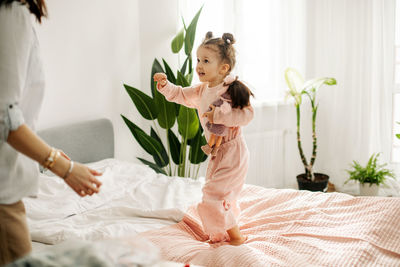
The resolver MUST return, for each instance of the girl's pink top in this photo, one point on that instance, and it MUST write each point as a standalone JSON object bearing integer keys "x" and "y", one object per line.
{"x": 200, "y": 97}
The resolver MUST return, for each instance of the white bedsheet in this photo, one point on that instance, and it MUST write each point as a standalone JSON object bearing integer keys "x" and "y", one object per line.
{"x": 133, "y": 199}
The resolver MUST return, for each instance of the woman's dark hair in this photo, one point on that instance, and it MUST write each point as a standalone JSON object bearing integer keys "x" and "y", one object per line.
{"x": 240, "y": 94}
{"x": 36, "y": 7}
{"x": 223, "y": 46}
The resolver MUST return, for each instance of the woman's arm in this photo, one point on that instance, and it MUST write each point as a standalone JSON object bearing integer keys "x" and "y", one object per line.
{"x": 82, "y": 179}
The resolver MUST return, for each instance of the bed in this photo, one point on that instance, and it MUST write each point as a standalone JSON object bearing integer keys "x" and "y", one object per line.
{"x": 154, "y": 214}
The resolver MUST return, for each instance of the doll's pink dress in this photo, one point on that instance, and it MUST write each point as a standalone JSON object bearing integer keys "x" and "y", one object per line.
{"x": 226, "y": 172}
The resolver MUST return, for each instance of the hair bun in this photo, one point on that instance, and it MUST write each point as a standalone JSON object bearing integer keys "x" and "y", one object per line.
{"x": 228, "y": 38}
{"x": 209, "y": 35}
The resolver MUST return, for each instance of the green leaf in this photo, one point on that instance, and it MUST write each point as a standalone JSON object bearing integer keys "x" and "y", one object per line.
{"x": 166, "y": 111}
{"x": 189, "y": 141}
{"x": 183, "y": 69}
{"x": 398, "y": 136}
{"x": 153, "y": 166}
{"x": 189, "y": 77}
{"x": 372, "y": 173}
{"x": 144, "y": 103}
{"x": 164, "y": 160}
{"x": 177, "y": 107}
{"x": 148, "y": 143}
{"x": 184, "y": 24}
{"x": 188, "y": 123}
{"x": 196, "y": 155}
{"x": 169, "y": 72}
{"x": 175, "y": 146}
{"x": 181, "y": 80}
{"x": 177, "y": 42}
{"x": 154, "y": 69}
{"x": 191, "y": 33}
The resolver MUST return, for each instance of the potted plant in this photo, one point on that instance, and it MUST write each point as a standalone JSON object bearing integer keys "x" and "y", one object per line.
{"x": 182, "y": 154}
{"x": 369, "y": 177}
{"x": 298, "y": 88}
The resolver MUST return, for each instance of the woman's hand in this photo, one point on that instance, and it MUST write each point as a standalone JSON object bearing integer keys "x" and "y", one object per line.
{"x": 160, "y": 78}
{"x": 210, "y": 114}
{"x": 64, "y": 155}
{"x": 82, "y": 180}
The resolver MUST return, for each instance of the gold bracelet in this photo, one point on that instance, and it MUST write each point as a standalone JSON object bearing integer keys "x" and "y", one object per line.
{"x": 50, "y": 158}
{"x": 54, "y": 160}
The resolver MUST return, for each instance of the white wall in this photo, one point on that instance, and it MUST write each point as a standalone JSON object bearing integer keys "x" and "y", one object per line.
{"x": 89, "y": 49}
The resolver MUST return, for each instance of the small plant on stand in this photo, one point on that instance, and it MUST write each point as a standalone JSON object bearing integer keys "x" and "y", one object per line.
{"x": 369, "y": 177}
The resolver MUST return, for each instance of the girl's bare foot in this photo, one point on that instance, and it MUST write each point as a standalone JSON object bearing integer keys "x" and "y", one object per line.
{"x": 238, "y": 242}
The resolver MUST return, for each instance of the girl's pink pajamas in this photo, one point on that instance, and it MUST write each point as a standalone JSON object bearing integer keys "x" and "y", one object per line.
{"x": 226, "y": 172}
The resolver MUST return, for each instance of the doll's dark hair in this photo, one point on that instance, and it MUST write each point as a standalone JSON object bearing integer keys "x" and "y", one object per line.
{"x": 240, "y": 94}
{"x": 223, "y": 46}
{"x": 36, "y": 7}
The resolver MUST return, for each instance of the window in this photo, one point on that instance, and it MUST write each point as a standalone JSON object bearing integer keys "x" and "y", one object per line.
{"x": 396, "y": 93}
{"x": 260, "y": 28}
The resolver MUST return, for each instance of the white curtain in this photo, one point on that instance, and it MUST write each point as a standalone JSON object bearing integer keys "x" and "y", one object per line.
{"x": 352, "y": 41}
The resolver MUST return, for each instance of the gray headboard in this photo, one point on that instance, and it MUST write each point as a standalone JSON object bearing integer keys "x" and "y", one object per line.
{"x": 86, "y": 141}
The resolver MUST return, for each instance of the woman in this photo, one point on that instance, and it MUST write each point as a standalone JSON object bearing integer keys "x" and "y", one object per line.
{"x": 21, "y": 95}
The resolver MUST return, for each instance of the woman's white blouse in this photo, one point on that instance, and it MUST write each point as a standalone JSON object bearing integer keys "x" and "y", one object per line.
{"x": 21, "y": 96}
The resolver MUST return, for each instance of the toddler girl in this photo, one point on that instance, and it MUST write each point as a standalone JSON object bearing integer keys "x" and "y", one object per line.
{"x": 226, "y": 171}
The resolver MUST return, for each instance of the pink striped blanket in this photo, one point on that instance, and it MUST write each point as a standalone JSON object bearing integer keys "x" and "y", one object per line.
{"x": 293, "y": 228}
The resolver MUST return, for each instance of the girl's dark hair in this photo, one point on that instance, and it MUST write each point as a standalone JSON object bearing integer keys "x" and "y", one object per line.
{"x": 240, "y": 94}
{"x": 36, "y": 7}
{"x": 223, "y": 46}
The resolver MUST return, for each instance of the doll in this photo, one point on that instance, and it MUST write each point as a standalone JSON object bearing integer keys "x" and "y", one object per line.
{"x": 218, "y": 131}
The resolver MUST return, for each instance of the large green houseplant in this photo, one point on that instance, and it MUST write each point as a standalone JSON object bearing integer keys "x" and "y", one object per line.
{"x": 369, "y": 177}
{"x": 297, "y": 89}
{"x": 180, "y": 156}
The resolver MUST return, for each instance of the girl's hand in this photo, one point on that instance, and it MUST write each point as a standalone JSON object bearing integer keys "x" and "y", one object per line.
{"x": 160, "y": 78}
{"x": 210, "y": 114}
{"x": 82, "y": 180}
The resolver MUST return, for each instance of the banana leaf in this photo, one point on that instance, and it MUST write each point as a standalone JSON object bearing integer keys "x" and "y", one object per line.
{"x": 144, "y": 103}
{"x": 154, "y": 69}
{"x": 169, "y": 72}
{"x": 175, "y": 147}
{"x": 190, "y": 33}
{"x": 166, "y": 111}
{"x": 156, "y": 168}
{"x": 164, "y": 160}
{"x": 148, "y": 143}
{"x": 177, "y": 42}
{"x": 196, "y": 155}
{"x": 188, "y": 123}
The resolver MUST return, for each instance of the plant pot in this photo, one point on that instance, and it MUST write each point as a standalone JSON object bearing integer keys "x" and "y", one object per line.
{"x": 319, "y": 184}
{"x": 368, "y": 189}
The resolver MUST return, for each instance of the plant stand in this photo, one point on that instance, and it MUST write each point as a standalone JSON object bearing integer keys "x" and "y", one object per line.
{"x": 319, "y": 184}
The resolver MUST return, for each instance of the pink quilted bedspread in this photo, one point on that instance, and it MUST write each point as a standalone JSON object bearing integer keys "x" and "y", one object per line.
{"x": 294, "y": 228}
